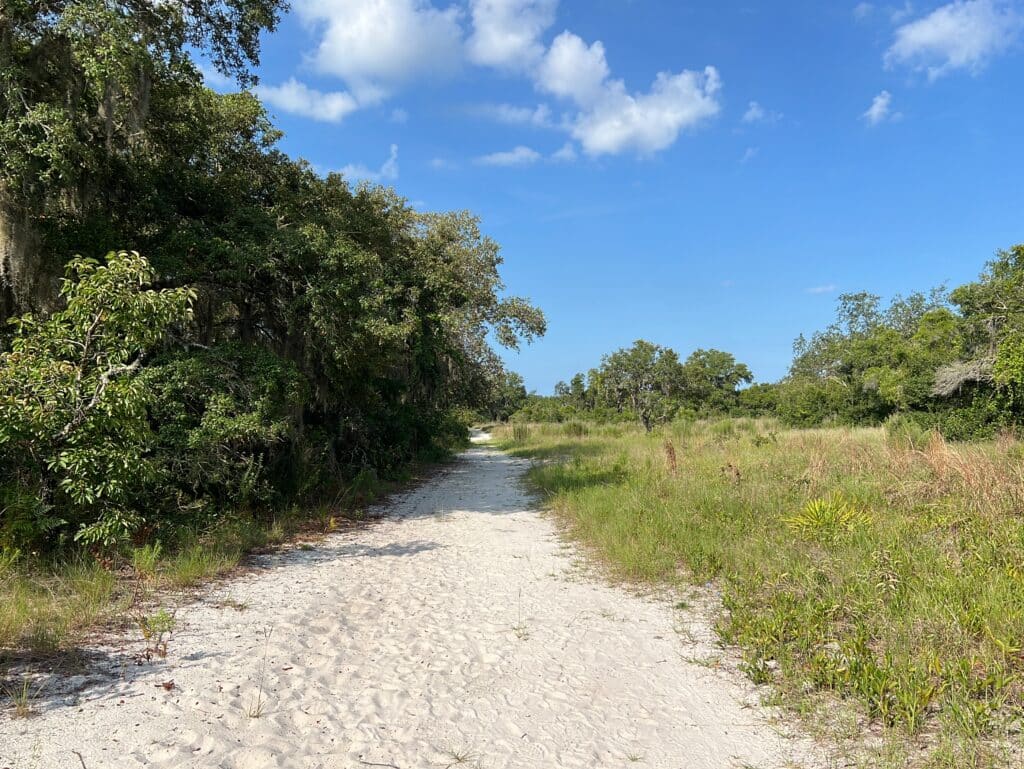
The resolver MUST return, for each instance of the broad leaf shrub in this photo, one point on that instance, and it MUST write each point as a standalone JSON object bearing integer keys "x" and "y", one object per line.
{"x": 73, "y": 426}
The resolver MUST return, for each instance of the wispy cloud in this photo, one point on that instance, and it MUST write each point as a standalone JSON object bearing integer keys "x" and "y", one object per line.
{"x": 750, "y": 154}
{"x": 826, "y": 289}
{"x": 861, "y": 11}
{"x": 880, "y": 110}
{"x": 387, "y": 172}
{"x": 758, "y": 114}
{"x": 962, "y": 35}
{"x": 519, "y": 156}
{"x": 511, "y": 114}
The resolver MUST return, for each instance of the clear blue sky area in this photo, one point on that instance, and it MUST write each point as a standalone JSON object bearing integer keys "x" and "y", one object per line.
{"x": 699, "y": 174}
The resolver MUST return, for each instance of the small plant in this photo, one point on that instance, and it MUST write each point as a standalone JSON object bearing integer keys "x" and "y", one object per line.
{"x": 520, "y": 433}
{"x": 155, "y": 628}
{"x": 146, "y": 558}
{"x": 257, "y": 704}
{"x": 828, "y": 518}
{"x": 23, "y": 697}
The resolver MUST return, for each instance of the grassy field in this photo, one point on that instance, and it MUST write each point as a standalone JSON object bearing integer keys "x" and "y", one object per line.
{"x": 885, "y": 568}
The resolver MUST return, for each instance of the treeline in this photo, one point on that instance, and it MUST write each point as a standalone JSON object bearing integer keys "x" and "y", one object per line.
{"x": 283, "y": 332}
{"x": 951, "y": 361}
{"x": 649, "y": 383}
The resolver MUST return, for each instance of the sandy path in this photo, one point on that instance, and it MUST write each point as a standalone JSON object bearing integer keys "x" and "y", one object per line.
{"x": 457, "y": 631}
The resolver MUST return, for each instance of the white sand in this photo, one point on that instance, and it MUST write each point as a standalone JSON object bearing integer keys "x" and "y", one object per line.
{"x": 456, "y": 631}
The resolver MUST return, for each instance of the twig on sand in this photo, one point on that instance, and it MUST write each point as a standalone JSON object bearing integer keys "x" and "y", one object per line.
{"x": 80, "y": 759}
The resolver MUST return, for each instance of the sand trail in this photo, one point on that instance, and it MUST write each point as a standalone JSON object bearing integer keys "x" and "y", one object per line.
{"x": 457, "y": 631}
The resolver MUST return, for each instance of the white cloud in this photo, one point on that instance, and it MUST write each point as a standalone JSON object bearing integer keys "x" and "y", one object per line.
{"x": 827, "y": 289}
{"x": 648, "y": 122}
{"x": 513, "y": 115}
{"x": 750, "y": 154}
{"x": 216, "y": 80}
{"x": 880, "y": 110}
{"x": 375, "y": 45}
{"x": 298, "y": 98}
{"x": 862, "y": 10}
{"x": 518, "y": 156}
{"x": 963, "y": 34}
{"x": 399, "y": 115}
{"x": 573, "y": 70}
{"x": 506, "y": 33}
{"x": 567, "y": 153}
{"x": 757, "y": 114}
{"x": 612, "y": 120}
{"x": 388, "y": 170}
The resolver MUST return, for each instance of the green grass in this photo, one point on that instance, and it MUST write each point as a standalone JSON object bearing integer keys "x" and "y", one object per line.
{"x": 852, "y": 563}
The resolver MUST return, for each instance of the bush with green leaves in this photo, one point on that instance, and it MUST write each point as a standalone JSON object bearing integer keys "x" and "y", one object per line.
{"x": 73, "y": 426}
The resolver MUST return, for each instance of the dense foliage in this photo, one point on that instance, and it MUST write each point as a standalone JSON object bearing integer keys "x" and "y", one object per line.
{"x": 951, "y": 362}
{"x": 285, "y": 331}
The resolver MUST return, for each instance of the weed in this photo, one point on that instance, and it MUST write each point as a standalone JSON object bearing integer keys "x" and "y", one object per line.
{"x": 145, "y": 559}
{"x": 155, "y": 628}
{"x": 257, "y": 703}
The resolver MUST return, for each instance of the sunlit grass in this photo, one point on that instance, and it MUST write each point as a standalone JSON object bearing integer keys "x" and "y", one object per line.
{"x": 886, "y": 571}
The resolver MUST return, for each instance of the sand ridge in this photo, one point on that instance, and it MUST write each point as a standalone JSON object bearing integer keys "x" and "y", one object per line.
{"x": 457, "y": 631}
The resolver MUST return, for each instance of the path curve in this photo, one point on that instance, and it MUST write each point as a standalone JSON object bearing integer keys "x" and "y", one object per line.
{"x": 457, "y": 631}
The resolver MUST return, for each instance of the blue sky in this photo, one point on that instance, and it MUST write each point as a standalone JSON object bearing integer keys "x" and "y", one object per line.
{"x": 699, "y": 174}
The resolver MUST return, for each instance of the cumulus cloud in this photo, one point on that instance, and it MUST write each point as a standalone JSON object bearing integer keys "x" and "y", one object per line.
{"x": 964, "y": 34}
{"x": 298, "y": 98}
{"x": 376, "y": 45}
{"x": 506, "y": 33}
{"x": 880, "y": 110}
{"x": 648, "y": 122}
{"x": 387, "y": 172}
{"x": 519, "y": 156}
{"x": 613, "y": 120}
{"x": 573, "y": 70}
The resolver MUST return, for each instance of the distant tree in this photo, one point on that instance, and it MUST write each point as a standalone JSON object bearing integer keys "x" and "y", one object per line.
{"x": 711, "y": 380}
{"x": 646, "y": 379}
{"x": 509, "y": 396}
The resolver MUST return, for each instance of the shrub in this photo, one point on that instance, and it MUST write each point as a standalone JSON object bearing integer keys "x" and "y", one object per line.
{"x": 73, "y": 428}
{"x": 906, "y": 431}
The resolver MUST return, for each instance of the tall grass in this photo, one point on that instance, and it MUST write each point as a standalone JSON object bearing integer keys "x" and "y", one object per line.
{"x": 887, "y": 569}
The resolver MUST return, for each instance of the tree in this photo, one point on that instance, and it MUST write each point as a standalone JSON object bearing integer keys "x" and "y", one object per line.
{"x": 80, "y": 81}
{"x": 644, "y": 378}
{"x": 712, "y": 379}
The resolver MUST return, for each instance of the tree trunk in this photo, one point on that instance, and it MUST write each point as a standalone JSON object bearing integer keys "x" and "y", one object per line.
{"x": 27, "y": 284}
